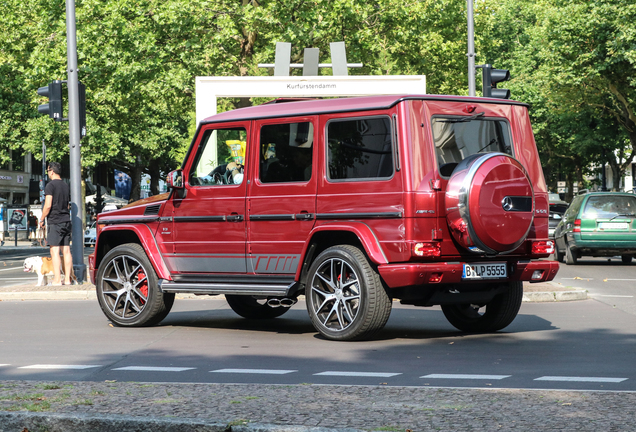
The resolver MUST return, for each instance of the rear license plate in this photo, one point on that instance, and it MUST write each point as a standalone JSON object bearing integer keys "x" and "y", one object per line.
{"x": 613, "y": 225}
{"x": 485, "y": 271}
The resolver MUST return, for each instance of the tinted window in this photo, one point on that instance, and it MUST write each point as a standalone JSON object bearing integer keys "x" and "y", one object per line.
{"x": 220, "y": 158}
{"x": 286, "y": 152}
{"x": 360, "y": 148}
{"x": 609, "y": 206}
{"x": 456, "y": 138}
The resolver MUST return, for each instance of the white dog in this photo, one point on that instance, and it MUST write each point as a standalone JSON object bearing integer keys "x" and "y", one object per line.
{"x": 44, "y": 268}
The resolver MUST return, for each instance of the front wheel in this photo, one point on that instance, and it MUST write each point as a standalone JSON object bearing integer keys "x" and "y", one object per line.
{"x": 345, "y": 297}
{"x": 493, "y": 316}
{"x": 128, "y": 290}
{"x": 253, "y": 308}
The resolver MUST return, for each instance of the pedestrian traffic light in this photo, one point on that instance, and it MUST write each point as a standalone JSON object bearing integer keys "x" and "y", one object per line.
{"x": 54, "y": 92}
{"x": 490, "y": 78}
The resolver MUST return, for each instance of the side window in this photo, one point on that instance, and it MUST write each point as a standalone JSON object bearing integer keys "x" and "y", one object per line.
{"x": 286, "y": 152}
{"x": 360, "y": 148}
{"x": 220, "y": 158}
{"x": 574, "y": 208}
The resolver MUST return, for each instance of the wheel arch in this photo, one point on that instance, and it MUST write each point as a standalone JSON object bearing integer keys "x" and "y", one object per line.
{"x": 356, "y": 234}
{"x": 113, "y": 236}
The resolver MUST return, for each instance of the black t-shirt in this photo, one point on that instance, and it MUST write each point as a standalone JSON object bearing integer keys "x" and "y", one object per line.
{"x": 61, "y": 194}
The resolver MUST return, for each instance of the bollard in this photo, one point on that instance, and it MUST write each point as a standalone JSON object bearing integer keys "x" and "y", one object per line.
{"x": 16, "y": 235}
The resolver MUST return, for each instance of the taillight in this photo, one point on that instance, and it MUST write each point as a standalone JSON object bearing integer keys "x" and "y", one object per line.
{"x": 427, "y": 249}
{"x": 542, "y": 247}
{"x": 577, "y": 225}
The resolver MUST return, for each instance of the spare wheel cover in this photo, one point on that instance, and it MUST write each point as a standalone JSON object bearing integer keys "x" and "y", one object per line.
{"x": 490, "y": 203}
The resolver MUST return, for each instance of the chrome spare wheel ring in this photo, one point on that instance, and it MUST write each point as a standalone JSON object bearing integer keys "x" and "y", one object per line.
{"x": 335, "y": 291}
{"x": 125, "y": 287}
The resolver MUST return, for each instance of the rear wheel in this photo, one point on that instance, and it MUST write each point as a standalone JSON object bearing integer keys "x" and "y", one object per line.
{"x": 493, "y": 316}
{"x": 627, "y": 259}
{"x": 253, "y": 308}
{"x": 570, "y": 255}
{"x": 128, "y": 290}
{"x": 345, "y": 297}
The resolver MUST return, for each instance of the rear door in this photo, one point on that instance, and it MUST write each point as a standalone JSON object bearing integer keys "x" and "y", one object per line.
{"x": 282, "y": 197}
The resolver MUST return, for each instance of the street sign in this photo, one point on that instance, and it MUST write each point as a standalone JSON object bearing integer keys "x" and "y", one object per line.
{"x": 560, "y": 184}
{"x": 561, "y": 190}
{"x": 575, "y": 189}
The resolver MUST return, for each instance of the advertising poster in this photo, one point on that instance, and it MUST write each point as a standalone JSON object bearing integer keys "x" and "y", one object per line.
{"x": 17, "y": 217}
{"x": 123, "y": 185}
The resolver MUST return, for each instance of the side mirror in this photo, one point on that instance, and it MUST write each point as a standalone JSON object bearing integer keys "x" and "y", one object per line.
{"x": 175, "y": 179}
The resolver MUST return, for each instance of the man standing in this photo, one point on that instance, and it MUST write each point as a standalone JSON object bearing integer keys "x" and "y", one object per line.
{"x": 32, "y": 225}
{"x": 56, "y": 209}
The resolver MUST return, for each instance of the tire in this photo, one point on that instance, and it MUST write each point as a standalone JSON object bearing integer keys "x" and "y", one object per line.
{"x": 570, "y": 256}
{"x": 627, "y": 259}
{"x": 252, "y": 308}
{"x": 558, "y": 255}
{"x": 345, "y": 297}
{"x": 128, "y": 289}
{"x": 498, "y": 314}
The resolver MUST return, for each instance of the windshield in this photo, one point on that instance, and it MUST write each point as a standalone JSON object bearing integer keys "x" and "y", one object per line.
{"x": 459, "y": 137}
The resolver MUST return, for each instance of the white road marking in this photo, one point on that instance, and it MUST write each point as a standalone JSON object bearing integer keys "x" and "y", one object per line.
{"x": 5, "y": 364}
{"x": 153, "y": 369}
{"x": 620, "y": 280}
{"x": 580, "y": 379}
{"x": 255, "y": 371}
{"x": 466, "y": 376}
{"x": 359, "y": 374}
{"x": 610, "y": 295}
{"x": 44, "y": 366}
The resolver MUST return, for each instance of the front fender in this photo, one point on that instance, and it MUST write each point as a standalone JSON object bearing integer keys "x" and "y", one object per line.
{"x": 114, "y": 236}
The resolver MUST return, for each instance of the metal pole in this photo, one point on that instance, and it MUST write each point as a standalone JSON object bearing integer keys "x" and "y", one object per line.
{"x": 471, "y": 50}
{"x": 77, "y": 206}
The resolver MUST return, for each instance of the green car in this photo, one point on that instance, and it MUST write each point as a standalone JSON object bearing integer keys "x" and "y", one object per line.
{"x": 597, "y": 224}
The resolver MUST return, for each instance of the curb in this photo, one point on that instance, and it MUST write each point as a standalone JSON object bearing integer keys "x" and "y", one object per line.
{"x": 57, "y": 422}
{"x": 555, "y": 296}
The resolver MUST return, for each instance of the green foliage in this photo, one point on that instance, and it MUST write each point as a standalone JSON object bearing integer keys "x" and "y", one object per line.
{"x": 574, "y": 62}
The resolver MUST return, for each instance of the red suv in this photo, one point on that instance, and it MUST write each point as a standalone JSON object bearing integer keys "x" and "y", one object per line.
{"x": 433, "y": 200}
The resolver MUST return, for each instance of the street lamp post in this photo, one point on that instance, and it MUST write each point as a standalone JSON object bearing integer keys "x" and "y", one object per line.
{"x": 77, "y": 209}
{"x": 471, "y": 50}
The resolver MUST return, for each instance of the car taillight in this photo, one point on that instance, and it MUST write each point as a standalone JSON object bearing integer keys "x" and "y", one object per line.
{"x": 427, "y": 249}
{"x": 542, "y": 247}
{"x": 577, "y": 225}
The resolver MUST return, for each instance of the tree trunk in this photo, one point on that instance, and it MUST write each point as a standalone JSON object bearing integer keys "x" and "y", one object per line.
{"x": 135, "y": 176}
{"x": 155, "y": 173}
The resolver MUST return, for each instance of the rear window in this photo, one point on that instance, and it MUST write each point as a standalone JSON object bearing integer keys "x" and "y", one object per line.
{"x": 360, "y": 148}
{"x": 459, "y": 137}
{"x": 608, "y": 206}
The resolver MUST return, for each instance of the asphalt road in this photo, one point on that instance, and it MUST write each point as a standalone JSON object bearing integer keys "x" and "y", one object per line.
{"x": 569, "y": 345}
{"x": 607, "y": 280}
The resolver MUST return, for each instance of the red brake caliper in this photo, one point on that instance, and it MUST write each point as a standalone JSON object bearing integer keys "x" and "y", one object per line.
{"x": 144, "y": 286}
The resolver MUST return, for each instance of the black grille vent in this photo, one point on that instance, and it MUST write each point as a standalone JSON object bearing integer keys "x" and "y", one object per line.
{"x": 152, "y": 210}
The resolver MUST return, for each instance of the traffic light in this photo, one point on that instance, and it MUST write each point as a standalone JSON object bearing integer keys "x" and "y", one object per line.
{"x": 490, "y": 79}
{"x": 54, "y": 92}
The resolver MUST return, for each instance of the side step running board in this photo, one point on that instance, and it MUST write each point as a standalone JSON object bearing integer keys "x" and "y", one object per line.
{"x": 281, "y": 290}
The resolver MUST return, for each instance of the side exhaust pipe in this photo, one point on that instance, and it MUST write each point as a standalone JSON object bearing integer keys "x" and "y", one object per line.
{"x": 284, "y": 302}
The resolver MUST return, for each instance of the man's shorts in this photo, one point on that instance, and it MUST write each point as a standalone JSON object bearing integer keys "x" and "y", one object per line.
{"x": 59, "y": 234}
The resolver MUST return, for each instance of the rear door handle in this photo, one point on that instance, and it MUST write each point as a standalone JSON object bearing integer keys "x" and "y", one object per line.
{"x": 304, "y": 216}
{"x": 234, "y": 217}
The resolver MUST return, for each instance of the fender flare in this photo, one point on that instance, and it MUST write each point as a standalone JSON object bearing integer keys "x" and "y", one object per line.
{"x": 148, "y": 243}
{"x": 362, "y": 231}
